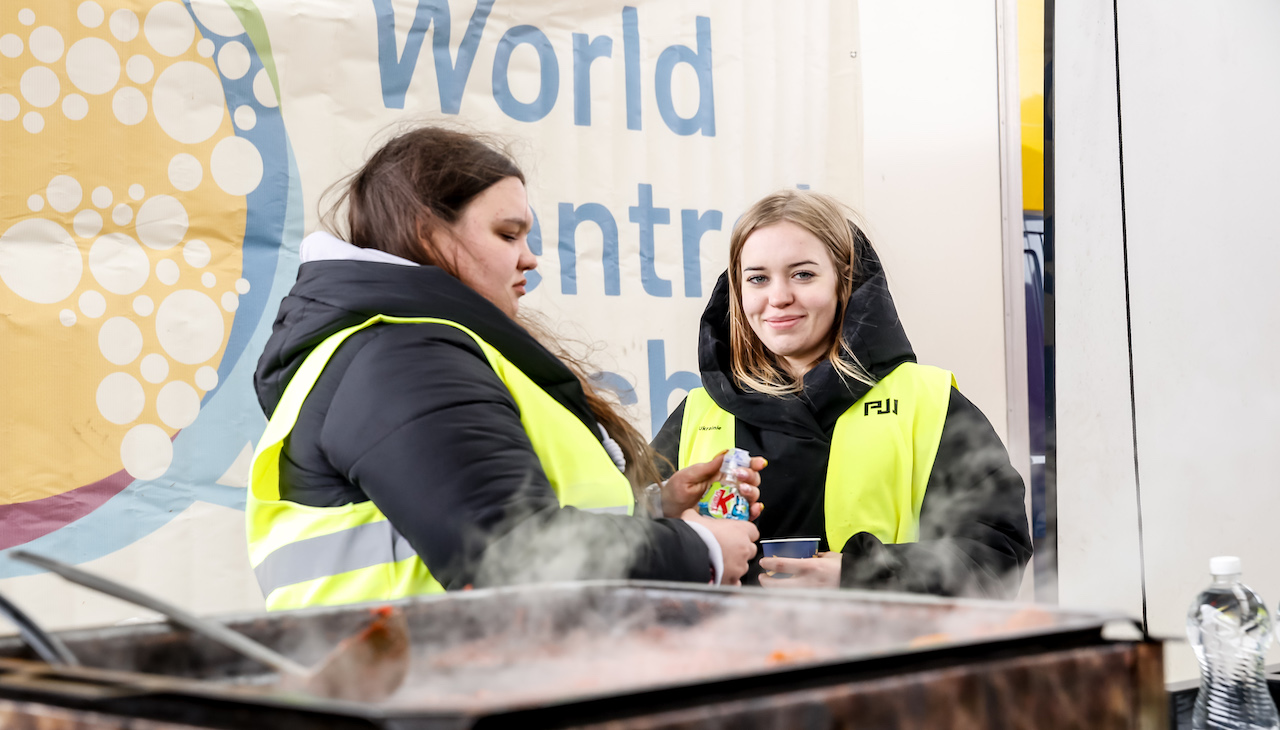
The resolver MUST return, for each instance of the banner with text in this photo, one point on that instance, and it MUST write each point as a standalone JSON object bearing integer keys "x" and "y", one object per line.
{"x": 162, "y": 161}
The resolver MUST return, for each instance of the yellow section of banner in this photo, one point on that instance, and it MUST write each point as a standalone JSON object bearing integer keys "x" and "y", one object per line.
{"x": 121, "y": 229}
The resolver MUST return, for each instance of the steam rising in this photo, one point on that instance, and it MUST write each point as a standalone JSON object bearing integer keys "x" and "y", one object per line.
{"x": 974, "y": 539}
{"x": 533, "y": 646}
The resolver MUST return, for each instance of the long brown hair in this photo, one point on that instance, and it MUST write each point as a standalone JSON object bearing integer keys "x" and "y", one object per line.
{"x": 407, "y": 196}
{"x": 754, "y": 367}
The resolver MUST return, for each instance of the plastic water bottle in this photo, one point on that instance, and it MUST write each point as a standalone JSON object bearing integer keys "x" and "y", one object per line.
{"x": 1230, "y": 629}
{"x": 722, "y": 499}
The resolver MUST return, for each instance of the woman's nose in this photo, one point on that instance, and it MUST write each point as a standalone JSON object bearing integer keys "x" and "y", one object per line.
{"x": 527, "y": 260}
{"x": 780, "y": 295}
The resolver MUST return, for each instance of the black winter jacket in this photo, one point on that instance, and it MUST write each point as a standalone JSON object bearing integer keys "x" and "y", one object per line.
{"x": 413, "y": 417}
{"x": 973, "y": 527}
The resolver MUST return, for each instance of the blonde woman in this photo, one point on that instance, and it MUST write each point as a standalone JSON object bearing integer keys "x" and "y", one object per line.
{"x": 805, "y": 363}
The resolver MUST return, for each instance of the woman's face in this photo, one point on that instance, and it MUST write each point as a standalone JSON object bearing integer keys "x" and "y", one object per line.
{"x": 789, "y": 293}
{"x": 490, "y": 247}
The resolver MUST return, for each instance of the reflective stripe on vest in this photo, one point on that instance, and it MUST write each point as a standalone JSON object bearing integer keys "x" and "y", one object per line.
{"x": 307, "y": 556}
{"x": 882, "y": 452}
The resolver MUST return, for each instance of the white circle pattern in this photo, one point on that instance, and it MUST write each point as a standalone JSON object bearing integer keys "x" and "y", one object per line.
{"x": 120, "y": 340}
{"x": 40, "y": 86}
{"x": 93, "y": 65}
{"x": 75, "y": 107}
{"x": 90, "y": 14}
{"x": 143, "y": 305}
{"x": 39, "y": 261}
{"x": 178, "y": 404}
{"x": 139, "y": 69}
{"x": 9, "y": 107}
{"x": 188, "y": 102}
{"x": 167, "y": 271}
{"x": 120, "y": 398}
{"x": 234, "y": 60}
{"x": 206, "y": 378}
{"x": 185, "y": 172}
{"x": 129, "y": 105}
{"x": 236, "y": 165}
{"x": 162, "y": 222}
{"x": 146, "y": 452}
{"x": 245, "y": 117}
{"x": 64, "y": 193}
{"x": 189, "y": 326}
{"x": 101, "y": 196}
{"x": 119, "y": 264}
{"x": 93, "y": 304}
{"x": 124, "y": 25}
{"x": 154, "y": 368}
{"x": 263, "y": 90}
{"x": 11, "y": 45}
{"x": 87, "y": 223}
{"x": 169, "y": 29}
{"x": 46, "y": 44}
{"x": 196, "y": 253}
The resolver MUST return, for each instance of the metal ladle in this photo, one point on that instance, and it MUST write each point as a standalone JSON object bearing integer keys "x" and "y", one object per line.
{"x": 46, "y": 646}
{"x": 367, "y": 666}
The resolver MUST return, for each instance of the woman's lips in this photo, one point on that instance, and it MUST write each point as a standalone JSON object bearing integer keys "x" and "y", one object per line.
{"x": 519, "y": 286}
{"x": 783, "y": 323}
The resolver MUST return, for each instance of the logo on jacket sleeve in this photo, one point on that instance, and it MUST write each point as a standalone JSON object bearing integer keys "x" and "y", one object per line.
{"x": 888, "y": 405}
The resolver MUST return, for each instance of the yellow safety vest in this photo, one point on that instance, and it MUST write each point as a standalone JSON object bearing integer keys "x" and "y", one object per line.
{"x": 882, "y": 452}
{"x": 309, "y": 556}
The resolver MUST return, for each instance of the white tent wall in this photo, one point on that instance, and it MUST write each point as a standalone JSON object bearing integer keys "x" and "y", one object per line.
{"x": 931, "y": 145}
{"x": 1187, "y": 202}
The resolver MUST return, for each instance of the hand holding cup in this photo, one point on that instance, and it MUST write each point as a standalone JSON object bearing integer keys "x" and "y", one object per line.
{"x": 792, "y": 563}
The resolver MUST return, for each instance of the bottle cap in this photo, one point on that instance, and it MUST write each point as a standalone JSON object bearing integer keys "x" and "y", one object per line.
{"x": 736, "y": 459}
{"x": 1224, "y": 565}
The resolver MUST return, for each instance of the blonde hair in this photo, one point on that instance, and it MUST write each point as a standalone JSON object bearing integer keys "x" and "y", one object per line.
{"x": 754, "y": 367}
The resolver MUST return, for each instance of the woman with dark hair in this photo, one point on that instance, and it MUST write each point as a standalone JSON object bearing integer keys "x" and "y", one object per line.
{"x": 805, "y": 363}
{"x": 420, "y": 438}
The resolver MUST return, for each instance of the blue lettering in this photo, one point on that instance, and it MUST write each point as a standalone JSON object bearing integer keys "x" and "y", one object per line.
{"x": 631, "y": 57}
{"x": 692, "y": 228}
{"x": 570, "y": 219}
{"x": 451, "y": 77}
{"x": 548, "y": 66}
{"x": 585, "y": 51}
{"x": 661, "y": 386}
{"x": 703, "y": 120}
{"x": 620, "y": 386}
{"x": 646, "y": 216}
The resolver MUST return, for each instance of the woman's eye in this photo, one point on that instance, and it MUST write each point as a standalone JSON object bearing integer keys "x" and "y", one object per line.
{"x": 803, "y": 275}
{"x": 756, "y": 279}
